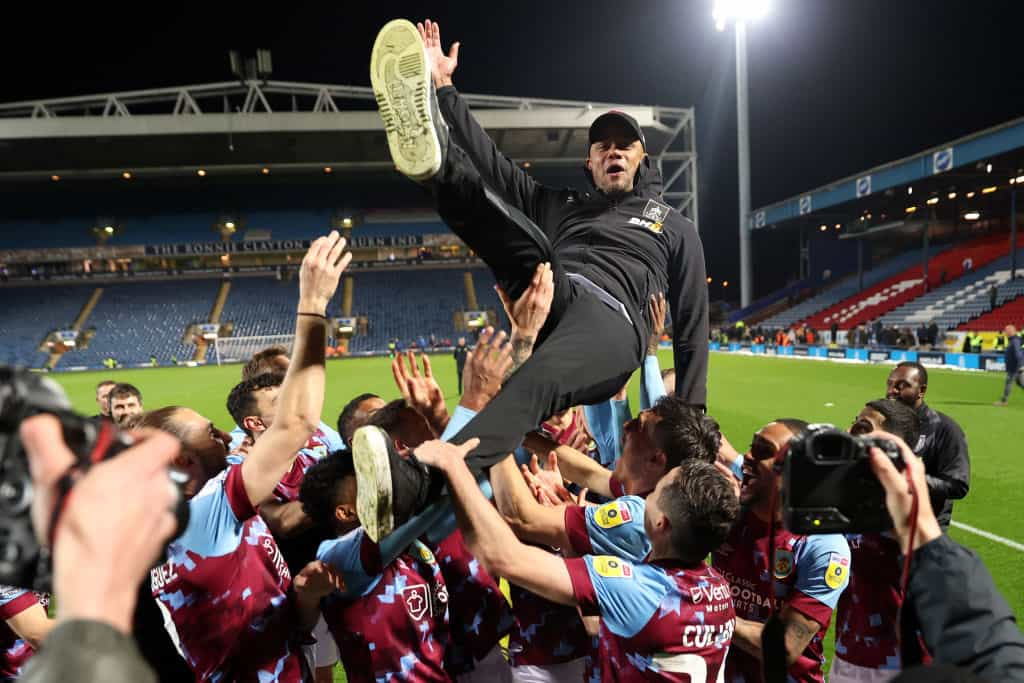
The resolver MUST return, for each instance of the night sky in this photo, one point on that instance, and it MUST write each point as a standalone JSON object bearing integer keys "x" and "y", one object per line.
{"x": 836, "y": 86}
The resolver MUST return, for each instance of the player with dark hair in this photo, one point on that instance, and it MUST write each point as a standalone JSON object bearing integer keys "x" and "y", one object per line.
{"x": 687, "y": 516}
{"x": 355, "y": 413}
{"x": 942, "y": 444}
{"x": 274, "y": 360}
{"x": 867, "y": 623}
{"x": 125, "y": 401}
{"x": 655, "y": 441}
{"x": 225, "y": 582}
{"x": 810, "y": 572}
{"x": 608, "y": 250}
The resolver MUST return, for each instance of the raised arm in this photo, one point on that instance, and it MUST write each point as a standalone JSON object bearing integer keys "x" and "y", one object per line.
{"x": 530, "y": 521}
{"x": 575, "y": 466}
{"x": 688, "y": 301}
{"x": 515, "y": 185}
{"x": 301, "y": 398}
{"x": 652, "y": 386}
{"x": 488, "y": 537}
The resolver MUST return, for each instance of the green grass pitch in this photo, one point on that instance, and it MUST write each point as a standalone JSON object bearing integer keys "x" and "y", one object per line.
{"x": 744, "y": 393}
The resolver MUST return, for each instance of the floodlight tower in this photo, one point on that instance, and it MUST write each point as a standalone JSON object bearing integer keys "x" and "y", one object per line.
{"x": 739, "y": 12}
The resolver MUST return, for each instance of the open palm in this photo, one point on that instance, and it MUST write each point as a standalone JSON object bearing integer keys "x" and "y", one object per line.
{"x": 442, "y": 65}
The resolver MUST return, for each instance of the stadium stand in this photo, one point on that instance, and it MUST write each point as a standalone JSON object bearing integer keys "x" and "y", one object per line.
{"x": 960, "y": 300}
{"x": 406, "y": 304}
{"x": 909, "y": 284}
{"x": 840, "y": 291}
{"x": 135, "y": 321}
{"x": 1010, "y": 313}
{"x": 28, "y": 314}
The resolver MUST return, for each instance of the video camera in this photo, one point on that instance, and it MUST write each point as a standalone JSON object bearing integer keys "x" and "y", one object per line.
{"x": 24, "y": 562}
{"x": 828, "y": 486}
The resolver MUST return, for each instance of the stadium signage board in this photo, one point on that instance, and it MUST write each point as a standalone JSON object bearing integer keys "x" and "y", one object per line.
{"x": 931, "y": 358}
{"x": 993, "y": 363}
{"x": 801, "y": 351}
{"x": 876, "y": 356}
{"x": 836, "y": 353}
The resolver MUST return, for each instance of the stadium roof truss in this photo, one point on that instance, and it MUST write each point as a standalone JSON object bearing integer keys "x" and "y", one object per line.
{"x": 287, "y": 126}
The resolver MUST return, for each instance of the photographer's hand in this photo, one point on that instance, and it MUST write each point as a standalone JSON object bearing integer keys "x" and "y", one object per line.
{"x": 116, "y": 521}
{"x": 899, "y": 497}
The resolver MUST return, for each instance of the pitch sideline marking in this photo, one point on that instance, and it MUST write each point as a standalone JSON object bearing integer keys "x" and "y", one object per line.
{"x": 1019, "y": 547}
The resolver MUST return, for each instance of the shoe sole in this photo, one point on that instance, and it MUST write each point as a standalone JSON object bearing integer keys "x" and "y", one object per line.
{"x": 401, "y": 86}
{"x": 373, "y": 482}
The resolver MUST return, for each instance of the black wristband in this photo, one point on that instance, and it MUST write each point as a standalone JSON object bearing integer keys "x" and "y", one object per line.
{"x": 314, "y": 315}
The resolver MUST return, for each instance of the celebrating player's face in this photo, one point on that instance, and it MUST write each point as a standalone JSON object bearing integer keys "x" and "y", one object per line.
{"x": 613, "y": 161}
{"x": 204, "y": 449}
{"x": 759, "y": 476}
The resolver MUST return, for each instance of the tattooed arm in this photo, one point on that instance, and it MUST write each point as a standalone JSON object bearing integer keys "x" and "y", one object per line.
{"x": 528, "y": 314}
{"x": 799, "y": 630}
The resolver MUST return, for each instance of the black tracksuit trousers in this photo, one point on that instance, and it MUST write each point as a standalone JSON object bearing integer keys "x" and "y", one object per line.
{"x": 587, "y": 349}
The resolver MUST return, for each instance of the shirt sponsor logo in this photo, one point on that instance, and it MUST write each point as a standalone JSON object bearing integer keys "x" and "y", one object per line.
{"x": 612, "y": 515}
{"x": 783, "y": 563}
{"x": 652, "y": 226}
{"x": 699, "y": 594}
{"x": 417, "y": 601}
{"x": 838, "y": 570}
{"x": 612, "y": 567}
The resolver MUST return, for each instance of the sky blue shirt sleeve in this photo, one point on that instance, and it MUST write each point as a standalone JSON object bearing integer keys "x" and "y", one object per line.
{"x": 823, "y": 568}
{"x": 605, "y": 421}
{"x": 213, "y": 528}
{"x": 617, "y": 528}
{"x": 237, "y": 436}
{"x": 343, "y": 554}
{"x": 627, "y": 594}
{"x": 459, "y": 419}
{"x": 652, "y": 386}
{"x": 331, "y": 438}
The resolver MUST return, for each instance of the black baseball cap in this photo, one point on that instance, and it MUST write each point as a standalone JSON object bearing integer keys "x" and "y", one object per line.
{"x": 598, "y": 129}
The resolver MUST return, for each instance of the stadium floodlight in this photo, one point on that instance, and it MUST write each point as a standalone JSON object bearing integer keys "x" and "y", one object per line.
{"x": 201, "y": 173}
{"x": 972, "y": 215}
{"x": 970, "y": 195}
{"x": 911, "y": 209}
{"x": 932, "y": 201}
{"x": 127, "y": 175}
{"x": 55, "y": 177}
{"x": 1020, "y": 179}
{"x": 230, "y": 225}
{"x": 989, "y": 190}
{"x": 109, "y": 229}
{"x": 328, "y": 170}
{"x": 740, "y": 12}
{"x": 346, "y": 222}
{"x": 265, "y": 171}
{"x": 725, "y": 11}
{"x": 988, "y": 168}
{"x": 951, "y": 195}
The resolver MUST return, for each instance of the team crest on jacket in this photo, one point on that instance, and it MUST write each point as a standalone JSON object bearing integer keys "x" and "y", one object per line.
{"x": 656, "y": 213}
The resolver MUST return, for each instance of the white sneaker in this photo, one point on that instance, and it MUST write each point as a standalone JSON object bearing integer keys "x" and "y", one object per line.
{"x": 405, "y": 96}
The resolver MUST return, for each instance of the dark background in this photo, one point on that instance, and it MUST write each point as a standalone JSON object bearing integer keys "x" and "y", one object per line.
{"x": 836, "y": 86}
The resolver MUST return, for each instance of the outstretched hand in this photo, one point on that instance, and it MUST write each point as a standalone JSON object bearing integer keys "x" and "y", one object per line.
{"x": 486, "y": 367}
{"x": 441, "y": 454}
{"x": 530, "y": 311}
{"x": 420, "y": 390}
{"x": 658, "y": 309}
{"x": 321, "y": 270}
{"x": 442, "y": 65}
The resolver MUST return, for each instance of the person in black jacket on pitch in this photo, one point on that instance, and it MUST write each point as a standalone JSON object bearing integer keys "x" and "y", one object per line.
{"x": 610, "y": 250}
{"x": 942, "y": 446}
{"x": 460, "y": 353}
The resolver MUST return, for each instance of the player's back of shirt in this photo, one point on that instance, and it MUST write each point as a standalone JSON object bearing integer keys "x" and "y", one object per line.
{"x": 392, "y": 622}
{"x": 660, "y": 621}
{"x": 867, "y": 632}
{"x": 226, "y": 585}
{"x": 15, "y": 652}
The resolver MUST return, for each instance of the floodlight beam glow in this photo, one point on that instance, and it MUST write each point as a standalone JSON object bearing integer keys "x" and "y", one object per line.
{"x": 738, "y": 10}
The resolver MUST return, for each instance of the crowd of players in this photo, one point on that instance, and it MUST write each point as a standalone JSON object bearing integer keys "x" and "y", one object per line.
{"x": 602, "y": 525}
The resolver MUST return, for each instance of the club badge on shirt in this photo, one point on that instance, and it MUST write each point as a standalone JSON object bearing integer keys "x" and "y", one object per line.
{"x": 612, "y": 515}
{"x": 612, "y": 567}
{"x": 417, "y": 600}
{"x": 783, "y": 563}
{"x": 838, "y": 569}
{"x": 656, "y": 213}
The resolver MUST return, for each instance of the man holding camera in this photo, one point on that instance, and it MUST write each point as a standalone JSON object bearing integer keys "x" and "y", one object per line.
{"x": 942, "y": 444}
{"x": 809, "y": 572}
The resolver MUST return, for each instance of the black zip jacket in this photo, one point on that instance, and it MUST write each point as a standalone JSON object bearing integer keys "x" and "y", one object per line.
{"x": 963, "y": 618}
{"x": 632, "y": 248}
{"x": 947, "y": 465}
